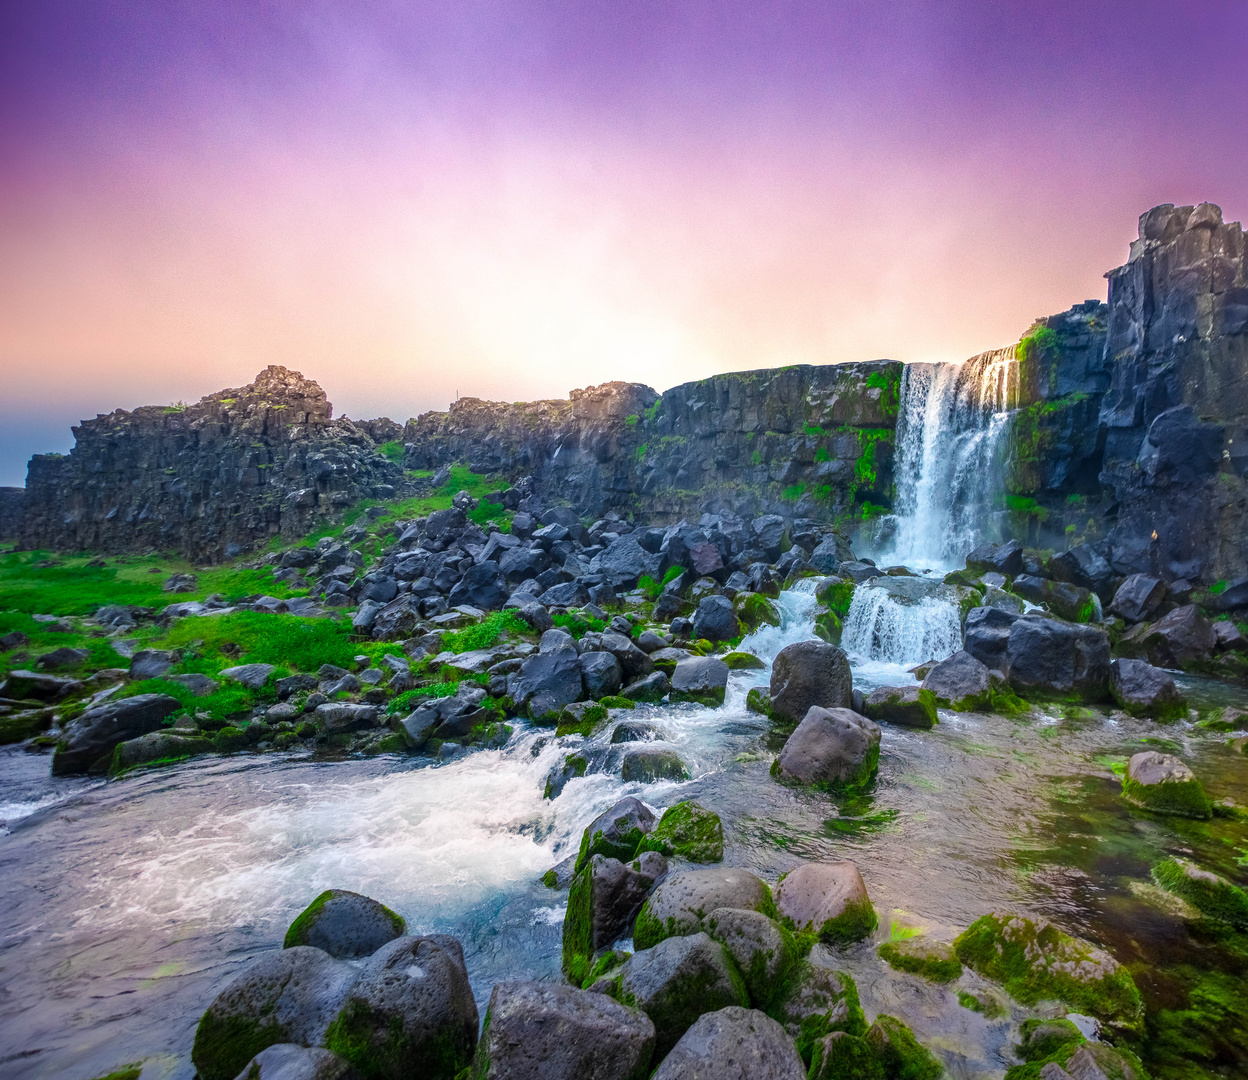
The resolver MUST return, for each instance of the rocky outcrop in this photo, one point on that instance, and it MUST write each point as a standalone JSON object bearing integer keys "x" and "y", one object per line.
{"x": 12, "y": 502}
{"x": 208, "y": 480}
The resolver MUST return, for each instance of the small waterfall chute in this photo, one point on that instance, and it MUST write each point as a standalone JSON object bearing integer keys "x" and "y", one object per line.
{"x": 903, "y": 620}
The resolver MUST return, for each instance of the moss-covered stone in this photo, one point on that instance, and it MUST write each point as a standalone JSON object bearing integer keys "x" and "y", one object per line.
{"x": 615, "y": 833}
{"x": 573, "y": 766}
{"x": 224, "y": 1045}
{"x": 763, "y": 950}
{"x": 1034, "y": 960}
{"x": 578, "y": 928}
{"x": 230, "y": 740}
{"x": 900, "y": 1054}
{"x": 755, "y": 610}
{"x": 841, "y": 1056}
{"x": 1163, "y": 784}
{"x": 689, "y": 831}
{"x": 344, "y": 924}
{"x": 986, "y": 1003}
{"x": 743, "y": 661}
{"x": 615, "y": 701}
{"x": 1213, "y": 896}
{"x": 813, "y": 1001}
{"x": 1042, "y": 1038}
{"x": 829, "y": 626}
{"x": 933, "y": 960}
{"x": 836, "y": 595}
{"x": 580, "y": 718}
{"x": 759, "y": 701}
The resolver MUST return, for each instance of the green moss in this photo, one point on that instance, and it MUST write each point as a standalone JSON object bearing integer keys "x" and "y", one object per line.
{"x": 756, "y": 610}
{"x": 550, "y": 879}
{"x": 865, "y": 468}
{"x": 126, "y": 1072}
{"x": 1214, "y": 896}
{"x": 379, "y": 1047}
{"x": 230, "y": 740}
{"x": 837, "y": 596}
{"x": 23, "y": 726}
{"x": 632, "y": 421}
{"x": 900, "y": 1054}
{"x": 689, "y": 831}
{"x": 985, "y": 1004}
{"x": 392, "y": 451}
{"x": 578, "y": 928}
{"x": 1041, "y": 1038}
{"x": 856, "y": 922}
{"x": 577, "y": 625}
{"x": 829, "y": 627}
{"x": 846, "y": 1057}
{"x": 1178, "y": 798}
{"x": 793, "y": 493}
{"x": 487, "y": 632}
{"x": 615, "y": 701}
{"x": 743, "y": 661}
{"x": 589, "y": 718}
{"x": 938, "y": 965}
{"x": 222, "y": 1048}
{"x": 297, "y": 933}
{"x": 759, "y": 701}
{"x": 1033, "y": 962}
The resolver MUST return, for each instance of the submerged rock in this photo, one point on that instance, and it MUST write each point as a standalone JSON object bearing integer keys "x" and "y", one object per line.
{"x": 933, "y": 960}
{"x": 88, "y": 742}
{"x": 814, "y": 1000}
{"x": 806, "y": 674}
{"x": 647, "y": 766}
{"x": 1144, "y": 690}
{"x": 345, "y": 924}
{"x": 682, "y": 901}
{"x": 1163, "y": 784}
{"x": 909, "y": 706}
{"x": 1212, "y": 895}
{"x": 542, "y": 1031}
{"x": 688, "y": 831}
{"x": 827, "y": 899}
{"x": 834, "y": 748}
{"x": 733, "y": 1044}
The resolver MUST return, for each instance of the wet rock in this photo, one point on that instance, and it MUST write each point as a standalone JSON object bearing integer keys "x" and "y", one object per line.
{"x": 842, "y": 1056}
{"x": 156, "y": 746}
{"x": 702, "y": 679}
{"x": 1051, "y": 658}
{"x": 743, "y": 661}
{"x": 409, "y": 1012}
{"x": 960, "y": 683}
{"x": 813, "y": 1000}
{"x": 676, "y": 981}
{"x": 826, "y": 899}
{"x": 1163, "y": 784}
{"x": 1092, "y": 1061}
{"x": 908, "y": 706}
{"x": 806, "y": 674}
{"x": 88, "y": 741}
{"x": 634, "y": 731}
{"x": 344, "y": 924}
{"x": 634, "y": 662}
{"x": 987, "y": 636}
{"x": 755, "y": 610}
{"x": 1138, "y": 597}
{"x": 288, "y": 1061}
{"x": 1034, "y": 960}
{"x": 600, "y": 674}
{"x": 285, "y": 997}
{"x": 1143, "y": 690}
{"x": 1229, "y": 637}
{"x": 572, "y": 766}
{"x": 337, "y": 716}
{"x": 762, "y": 950}
{"x": 1179, "y": 639}
{"x": 542, "y": 1031}
{"x": 934, "y": 960}
{"x": 836, "y": 748}
{"x": 688, "y": 831}
{"x": 647, "y": 766}
{"x": 680, "y": 903}
{"x": 252, "y": 676}
{"x": 733, "y": 1044}
{"x": 653, "y": 688}
{"x": 546, "y": 682}
{"x": 1004, "y": 558}
{"x": 1213, "y": 896}
{"x": 1065, "y": 600}
{"x": 714, "y": 620}
{"x": 616, "y": 832}
{"x": 602, "y": 904}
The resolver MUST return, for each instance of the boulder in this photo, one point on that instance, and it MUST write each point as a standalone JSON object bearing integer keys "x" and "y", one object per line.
{"x": 284, "y": 997}
{"x": 338, "y": 716}
{"x": 679, "y": 904}
{"x": 634, "y": 662}
{"x": 546, "y": 682}
{"x": 733, "y": 1044}
{"x": 653, "y": 688}
{"x": 960, "y": 683}
{"x": 714, "y": 620}
{"x": 826, "y": 899}
{"x": 600, "y": 675}
{"x": 1212, "y": 895}
{"x": 1163, "y": 784}
{"x": 829, "y": 553}
{"x": 688, "y": 831}
{"x": 909, "y": 706}
{"x": 842, "y": 1056}
{"x": 806, "y": 674}
{"x": 567, "y": 594}
{"x": 1179, "y": 639}
{"x": 647, "y": 766}
{"x": 1033, "y": 960}
{"x": 933, "y": 960}
{"x": 834, "y": 748}
{"x": 624, "y": 561}
{"x": 202, "y": 686}
{"x": 1004, "y": 558}
{"x": 543, "y": 1031}
{"x": 1083, "y": 566}
{"x": 1137, "y": 598}
{"x": 252, "y": 676}
{"x": 1143, "y": 690}
{"x": 634, "y": 731}
{"x": 702, "y": 679}
{"x": 616, "y": 832}
{"x": 156, "y": 746}
{"x": 813, "y": 1000}
{"x": 344, "y": 924}
{"x": 409, "y": 1012}
{"x": 1065, "y": 600}
{"x": 151, "y": 663}
{"x": 676, "y": 981}
{"x": 572, "y": 766}
{"x": 1050, "y": 658}
{"x": 24, "y": 685}
{"x": 1229, "y": 637}
{"x": 762, "y": 949}
{"x": 987, "y": 636}
{"x": 602, "y": 904}
{"x": 289, "y": 1061}
{"x": 743, "y": 661}
{"x": 88, "y": 741}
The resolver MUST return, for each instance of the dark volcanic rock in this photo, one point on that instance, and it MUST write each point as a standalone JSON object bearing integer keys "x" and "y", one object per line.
{"x": 806, "y": 674}
{"x": 1138, "y": 597}
{"x": 89, "y": 740}
{"x": 733, "y": 1043}
{"x": 715, "y": 621}
{"x": 1182, "y": 638}
{"x": 344, "y": 924}
{"x": 834, "y": 747}
{"x": 1048, "y": 657}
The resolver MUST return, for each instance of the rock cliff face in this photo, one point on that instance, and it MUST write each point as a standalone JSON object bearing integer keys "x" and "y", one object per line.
{"x": 12, "y": 499}
{"x": 807, "y": 441}
{"x": 210, "y": 479}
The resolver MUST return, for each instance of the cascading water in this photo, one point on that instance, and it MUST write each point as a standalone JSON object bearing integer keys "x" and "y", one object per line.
{"x": 950, "y": 457}
{"x": 902, "y": 621}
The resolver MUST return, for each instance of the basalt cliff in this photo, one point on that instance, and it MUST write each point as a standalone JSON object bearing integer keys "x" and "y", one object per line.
{"x": 1128, "y": 433}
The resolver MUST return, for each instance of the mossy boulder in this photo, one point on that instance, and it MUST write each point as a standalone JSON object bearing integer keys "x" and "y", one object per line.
{"x": 755, "y": 610}
{"x": 616, "y": 832}
{"x": 908, "y": 706}
{"x": 900, "y": 1054}
{"x": 733, "y": 1044}
{"x": 934, "y": 960}
{"x": 230, "y": 740}
{"x": 837, "y": 595}
{"x": 1143, "y": 690}
{"x": 572, "y": 766}
{"x": 688, "y": 831}
{"x": 1075, "y": 1058}
{"x": 602, "y": 902}
{"x": 1163, "y": 784}
{"x": 813, "y": 1001}
{"x": 841, "y": 1056}
{"x": 156, "y": 748}
{"x": 1213, "y": 896}
{"x": 832, "y": 750}
{"x": 829, "y": 626}
{"x": 743, "y": 661}
{"x": 682, "y": 901}
{"x": 1041, "y": 1038}
{"x": 828, "y": 900}
{"x": 344, "y": 924}
{"x": 284, "y": 1061}
{"x": 1034, "y": 960}
{"x": 580, "y": 718}
{"x": 616, "y": 701}
{"x": 647, "y": 766}
{"x": 700, "y": 679}
{"x": 763, "y": 950}
{"x": 759, "y": 701}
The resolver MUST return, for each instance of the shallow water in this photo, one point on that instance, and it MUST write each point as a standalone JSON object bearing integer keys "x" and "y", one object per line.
{"x": 126, "y": 906}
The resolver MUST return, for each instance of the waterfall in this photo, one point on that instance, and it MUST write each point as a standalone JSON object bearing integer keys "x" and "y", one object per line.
{"x": 950, "y": 457}
{"x": 903, "y": 621}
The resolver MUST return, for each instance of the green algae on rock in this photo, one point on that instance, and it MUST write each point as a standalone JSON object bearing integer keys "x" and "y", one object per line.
{"x": 681, "y": 902}
{"x": 763, "y": 950}
{"x": 1033, "y": 960}
{"x": 1163, "y": 784}
{"x": 345, "y": 924}
{"x": 813, "y": 1001}
{"x": 900, "y": 1054}
{"x": 828, "y": 901}
{"x": 934, "y": 960}
{"x": 689, "y": 831}
{"x": 841, "y": 1056}
{"x": 743, "y": 661}
{"x": 1213, "y": 896}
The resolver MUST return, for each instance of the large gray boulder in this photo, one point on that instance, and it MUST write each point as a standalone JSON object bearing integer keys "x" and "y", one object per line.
{"x": 624, "y": 561}
{"x": 714, "y": 620}
{"x": 961, "y": 682}
{"x": 703, "y": 679}
{"x": 151, "y": 663}
{"x": 909, "y": 706}
{"x": 252, "y": 676}
{"x": 1144, "y": 690}
{"x": 826, "y": 899}
{"x": 88, "y": 742}
{"x": 986, "y": 636}
{"x": 814, "y": 999}
{"x": 836, "y": 748}
{"x": 410, "y": 1012}
{"x": 602, "y": 903}
{"x": 600, "y": 675}
{"x": 289, "y": 1061}
{"x": 1138, "y": 597}
{"x": 285, "y": 997}
{"x": 484, "y": 586}
{"x": 543, "y": 1031}
{"x": 546, "y": 682}
{"x": 616, "y": 832}
{"x": 733, "y": 1044}
{"x": 678, "y": 980}
{"x": 1051, "y": 658}
{"x": 762, "y": 950}
{"x": 163, "y": 746}
{"x": 1179, "y": 639}
{"x": 806, "y": 674}
{"x": 634, "y": 662}
{"x": 682, "y": 901}
{"x": 344, "y": 924}
{"x": 647, "y": 766}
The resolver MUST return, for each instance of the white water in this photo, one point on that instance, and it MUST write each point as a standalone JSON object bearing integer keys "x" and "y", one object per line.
{"x": 950, "y": 458}
{"x": 880, "y": 628}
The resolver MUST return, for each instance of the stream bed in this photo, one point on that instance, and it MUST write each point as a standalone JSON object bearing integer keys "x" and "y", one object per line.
{"x": 125, "y": 906}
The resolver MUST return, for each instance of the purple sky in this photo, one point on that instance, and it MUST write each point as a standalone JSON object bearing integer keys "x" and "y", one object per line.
{"x": 407, "y": 201}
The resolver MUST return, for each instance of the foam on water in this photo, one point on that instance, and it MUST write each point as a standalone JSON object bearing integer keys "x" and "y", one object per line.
{"x": 879, "y": 628}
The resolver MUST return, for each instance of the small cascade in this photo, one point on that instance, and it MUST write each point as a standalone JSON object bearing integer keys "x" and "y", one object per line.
{"x": 797, "y": 621}
{"x": 951, "y": 457}
{"x": 892, "y": 622}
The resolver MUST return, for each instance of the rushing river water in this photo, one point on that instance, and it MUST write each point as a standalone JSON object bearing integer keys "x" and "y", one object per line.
{"x": 125, "y": 906}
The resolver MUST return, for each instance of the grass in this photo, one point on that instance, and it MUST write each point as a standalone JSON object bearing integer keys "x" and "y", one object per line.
{"x": 577, "y": 625}
{"x": 410, "y": 698}
{"x": 392, "y": 450}
{"x": 653, "y": 588}
{"x": 487, "y": 632}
